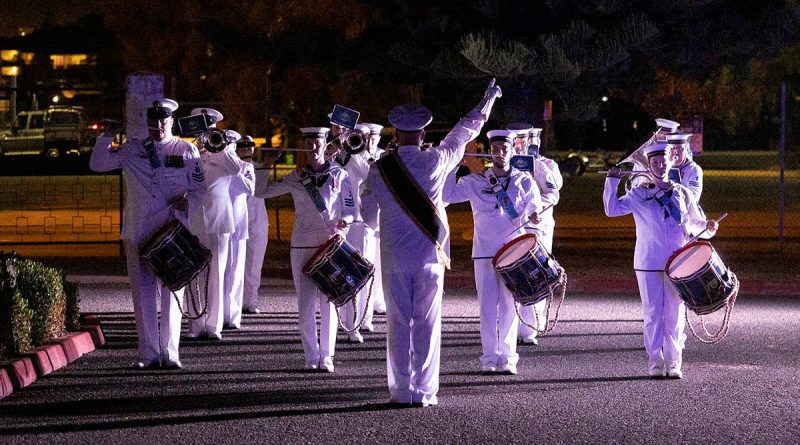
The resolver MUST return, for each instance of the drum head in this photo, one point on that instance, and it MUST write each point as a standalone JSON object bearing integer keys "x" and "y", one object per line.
{"x": 689, "y": 259}
{"x": 514, "y": 250}
{"x": 322, "y": 250}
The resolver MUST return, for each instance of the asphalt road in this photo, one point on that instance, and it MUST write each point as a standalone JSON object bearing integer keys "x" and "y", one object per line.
{"x": 584, "y": 383}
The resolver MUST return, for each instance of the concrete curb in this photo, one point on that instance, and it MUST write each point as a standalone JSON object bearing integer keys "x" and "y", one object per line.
{"x": 24, "y": 371}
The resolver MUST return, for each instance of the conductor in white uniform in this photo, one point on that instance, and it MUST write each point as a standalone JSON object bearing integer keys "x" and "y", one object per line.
{"x": 414, "y": 260}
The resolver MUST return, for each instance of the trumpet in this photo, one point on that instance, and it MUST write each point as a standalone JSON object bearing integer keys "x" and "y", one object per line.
{"x": 215, "y": 140}
{"x": 351, "y": 141}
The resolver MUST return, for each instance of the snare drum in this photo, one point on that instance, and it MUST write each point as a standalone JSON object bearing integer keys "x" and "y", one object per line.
{"x": 176, "y": 255}
{"x": 528, "y": 270}
{"x": 702, "y": 280}
{"x": 338, "y": 270}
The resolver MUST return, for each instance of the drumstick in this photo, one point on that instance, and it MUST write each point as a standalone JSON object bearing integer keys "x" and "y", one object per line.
{"x": 694, "y": 238}
{"x": 528, "y": 220}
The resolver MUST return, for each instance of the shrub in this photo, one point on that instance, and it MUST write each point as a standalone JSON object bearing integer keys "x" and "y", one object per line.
{"x": 43, "y": 288}
{"x": 15, "y": 315}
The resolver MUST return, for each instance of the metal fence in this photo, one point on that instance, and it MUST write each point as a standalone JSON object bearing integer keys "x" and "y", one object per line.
{"x": 80, "y": 209}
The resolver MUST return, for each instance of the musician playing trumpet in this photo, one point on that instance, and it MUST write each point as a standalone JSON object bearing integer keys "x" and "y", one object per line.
{"x": 324, "y": 206}
{"x": 501, "y": 199}
{"x": 666, "y": 217}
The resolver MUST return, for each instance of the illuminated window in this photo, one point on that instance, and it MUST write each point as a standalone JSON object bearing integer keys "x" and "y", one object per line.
{"x": 9, "y": 55}
{"x": 12, "y": 71}
{"x": 61, "y": 61}
{"x": 27, "y": 58}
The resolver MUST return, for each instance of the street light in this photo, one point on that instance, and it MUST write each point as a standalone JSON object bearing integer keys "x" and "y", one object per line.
{"x": 55, "y": 99}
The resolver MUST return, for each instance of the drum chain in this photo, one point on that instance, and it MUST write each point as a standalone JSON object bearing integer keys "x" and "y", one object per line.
{"x": 355, "y": 308}
{"x": 710, "y": 339}
{"x": 562, "y": 283}
{"x": 194, "y": 297}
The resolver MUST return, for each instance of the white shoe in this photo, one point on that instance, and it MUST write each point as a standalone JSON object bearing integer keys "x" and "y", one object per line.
{"x": 529, "y": 340}
{"x": 369, "y": 327}
{"x": 251, "y": 310}
{"x": 356, "y": 337}
{"x": 655, "y": 371}
{"x": 326, "y": 364}
{"x": 489, "y": 368}
{"x": 311, "y": 366}
{"x": 674, "y": 372}
{"x": 508, "y": 368}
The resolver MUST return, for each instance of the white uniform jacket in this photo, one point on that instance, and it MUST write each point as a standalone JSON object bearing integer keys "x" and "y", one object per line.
{"x": 403, "y": 245}
{"x": 243, "y": 186}
{"x": 257, "y": 220}
{"x": 692, "y": 178}
{"x": 549, "y": 184}
{"x": 493, "y": 226}
{"x": 312, "y": 227}
{"x": 357, "y": 169}
{"x": 215, "y": 215}
{"x": 658, "y": 235}
{"x": 149, "y": 190}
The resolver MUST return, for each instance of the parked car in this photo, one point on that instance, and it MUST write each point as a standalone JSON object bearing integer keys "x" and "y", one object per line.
{"x": 52, "y": 132}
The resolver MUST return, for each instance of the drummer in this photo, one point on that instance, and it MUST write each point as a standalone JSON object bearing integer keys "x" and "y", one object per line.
{"x": 666, "y": 217}
{"x": 501, "y": 198}
{"x": 323, "y": 204}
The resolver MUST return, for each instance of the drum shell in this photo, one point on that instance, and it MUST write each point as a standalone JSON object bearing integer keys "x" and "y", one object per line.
{"x": 532, "y": 276}
{"x": 707, "y": 289}
{"x": 176, "y": 255}
{"x": 338, "y": 270}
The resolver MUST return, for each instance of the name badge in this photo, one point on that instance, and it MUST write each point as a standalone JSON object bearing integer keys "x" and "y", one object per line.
{"x": 173, "y": 161}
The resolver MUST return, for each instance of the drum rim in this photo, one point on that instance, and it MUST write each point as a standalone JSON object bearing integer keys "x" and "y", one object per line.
{"x": 508, "y": 245}
{"x": 155, "y": 237}
{"x": 321, "y": 251}
{"x": 682, "y": 249}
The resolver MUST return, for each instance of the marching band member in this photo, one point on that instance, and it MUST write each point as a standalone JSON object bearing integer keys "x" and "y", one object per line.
{"x": 323, "y": 204}
{"x": 548, "y": 179}
{"x": 357, "y": 167}
{"x": 257, "y": 228}
{"x": 213, "y": 222}
{"x": 376, "y": 304}
{"x": 501, "y": 198}
{"x": 242, "y": 187}
{"x": 164, "y": 178}
{"x": 413, "y": 243}
{"x": 691, "y": 175}
{"x": 666, "y": 217}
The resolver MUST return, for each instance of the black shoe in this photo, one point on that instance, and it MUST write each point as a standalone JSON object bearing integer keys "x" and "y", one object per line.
{"x": 154, "y": 364}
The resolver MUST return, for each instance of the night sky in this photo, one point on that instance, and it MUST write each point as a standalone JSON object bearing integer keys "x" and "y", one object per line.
{"x": 34, "y": 13}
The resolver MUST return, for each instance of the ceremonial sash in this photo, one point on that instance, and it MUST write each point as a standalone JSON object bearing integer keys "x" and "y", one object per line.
{"x": 415, "y": 202}
{"x": 311, "y": 188}
{"x": 503, "y": 200}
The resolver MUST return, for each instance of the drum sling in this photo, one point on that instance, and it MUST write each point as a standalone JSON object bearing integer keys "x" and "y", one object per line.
{"x": 415, "y": 202}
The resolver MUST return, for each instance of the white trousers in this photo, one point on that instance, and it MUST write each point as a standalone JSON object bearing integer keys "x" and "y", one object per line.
{"x": 535, "y": 313}
{"x": 253, "y": 262}
{"x": 356, "y": 236}
{"x": 234, "y": 283}
{"x": 372, "y": 252}
{"x": 211, "y": 322}
{"x": 308, "y": 297}
{"x": 498, "y": 316}
{"x": 414, "y": 332}
{"x": 155, "y": 342}
{"x": 664, "y": 321}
